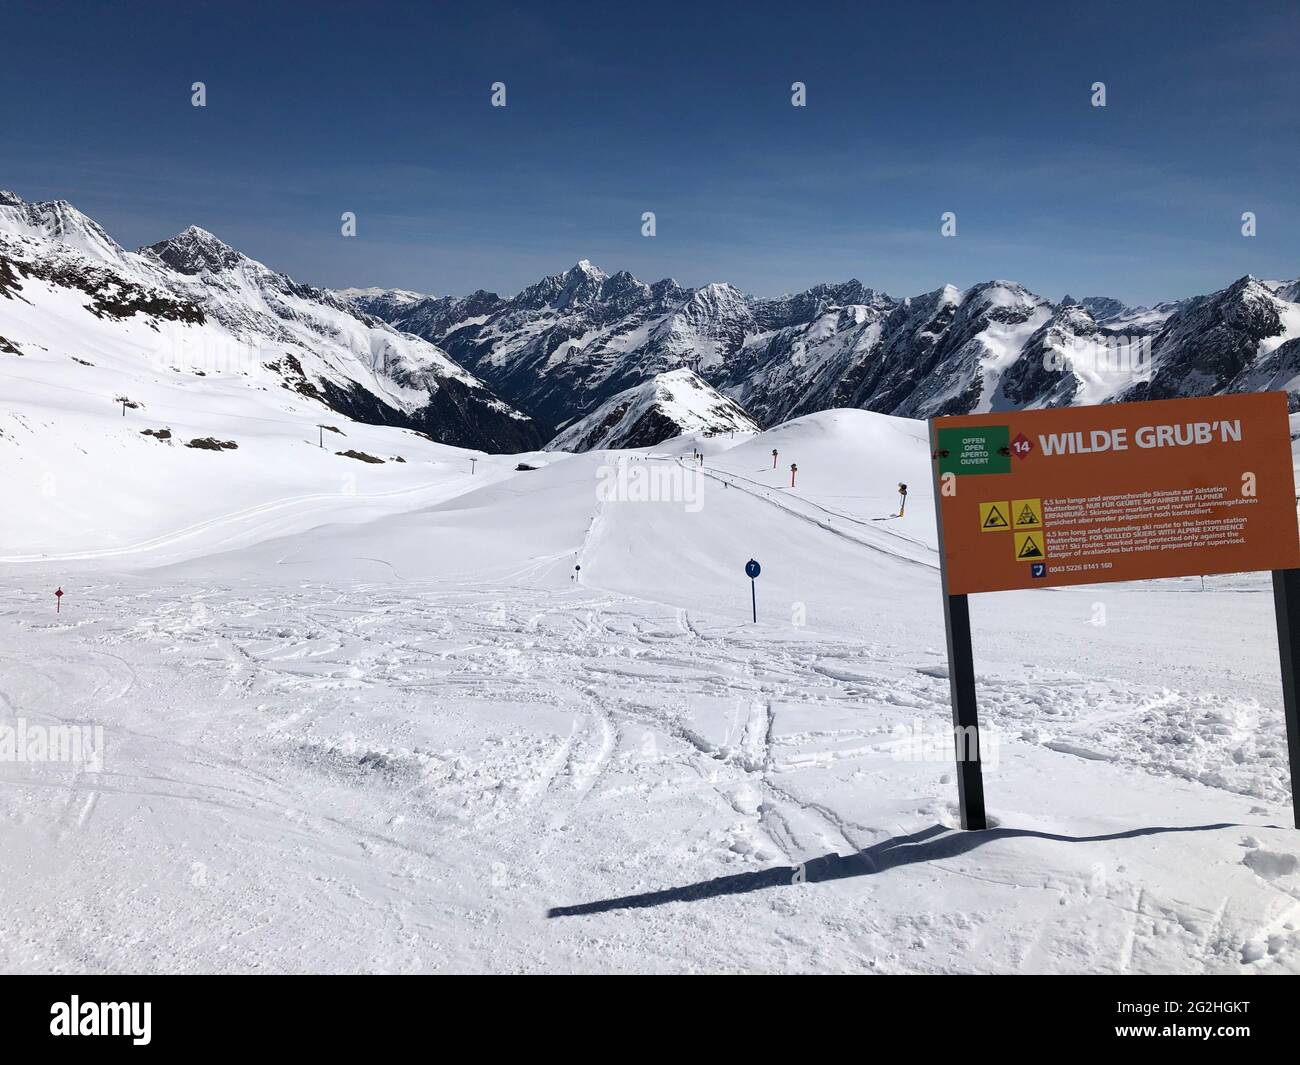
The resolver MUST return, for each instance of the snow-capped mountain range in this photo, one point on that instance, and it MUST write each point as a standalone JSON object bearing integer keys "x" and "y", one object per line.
{"x": 570, "y": 343}
{"x": 584, "y": 354}
{"x": 194, "y": 305}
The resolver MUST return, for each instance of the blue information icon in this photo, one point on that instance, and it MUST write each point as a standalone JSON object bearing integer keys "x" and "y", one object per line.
{"x": 1038, "y": 569}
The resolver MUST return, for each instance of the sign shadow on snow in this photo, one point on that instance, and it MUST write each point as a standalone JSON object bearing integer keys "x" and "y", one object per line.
{"x": 922, "y": 846}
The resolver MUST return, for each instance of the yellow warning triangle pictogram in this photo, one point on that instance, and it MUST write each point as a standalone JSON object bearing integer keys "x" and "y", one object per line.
{"x": 994, "y": 519}
{"x": 1029, "y": 548}
{"x": 1028, "y": 512}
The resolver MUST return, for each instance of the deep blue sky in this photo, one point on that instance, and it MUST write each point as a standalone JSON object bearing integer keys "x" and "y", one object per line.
{"x": 682, "y": 109}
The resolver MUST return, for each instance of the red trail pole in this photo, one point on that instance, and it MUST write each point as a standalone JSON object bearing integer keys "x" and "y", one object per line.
{"x": 58, "y": 600}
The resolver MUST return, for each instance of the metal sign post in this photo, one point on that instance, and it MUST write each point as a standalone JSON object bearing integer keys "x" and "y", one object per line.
{"x": 965, "y": 717}
{"x": 752, "y": 570}
{"x": 1286, "y": 601}
{"x": 961, "y": 687}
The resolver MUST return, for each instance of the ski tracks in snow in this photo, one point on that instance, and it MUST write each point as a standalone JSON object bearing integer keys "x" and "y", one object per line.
{"x": 430, "y": 755}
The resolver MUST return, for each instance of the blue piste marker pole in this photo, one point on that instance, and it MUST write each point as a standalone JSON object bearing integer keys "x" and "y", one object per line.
{"x": 752, "y": 570}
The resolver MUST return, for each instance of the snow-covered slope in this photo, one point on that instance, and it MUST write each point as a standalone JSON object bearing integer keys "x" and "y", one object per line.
{"x": 668, "y": 405}
{"x": 192, "y": 305}
{"x": 426, "y": 742}
{"x": 106, "y": 444}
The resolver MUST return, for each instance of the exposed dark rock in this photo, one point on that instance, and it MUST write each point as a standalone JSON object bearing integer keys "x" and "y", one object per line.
{"x": 210, "y": 443}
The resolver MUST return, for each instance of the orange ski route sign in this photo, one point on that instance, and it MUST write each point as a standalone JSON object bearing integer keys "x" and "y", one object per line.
{"x": 1119, "y": 492}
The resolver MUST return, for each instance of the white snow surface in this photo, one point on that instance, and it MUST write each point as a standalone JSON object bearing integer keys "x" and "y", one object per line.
{"x": 370, "y": 718}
